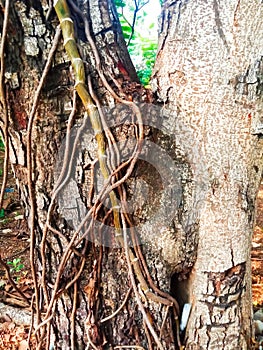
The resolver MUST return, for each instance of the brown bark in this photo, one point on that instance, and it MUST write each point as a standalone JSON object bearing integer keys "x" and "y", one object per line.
{"x": 78, "y": 309}
{"x": 199, "y": 170}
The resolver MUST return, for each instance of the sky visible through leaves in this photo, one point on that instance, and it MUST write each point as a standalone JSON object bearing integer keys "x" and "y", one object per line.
{"x": 139, "y": 21}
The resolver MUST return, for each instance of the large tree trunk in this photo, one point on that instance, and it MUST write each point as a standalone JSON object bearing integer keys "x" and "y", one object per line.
{"x": 69, "y": 309}
{"x": 209, "y": 75}
{"x": 192, "y": 193}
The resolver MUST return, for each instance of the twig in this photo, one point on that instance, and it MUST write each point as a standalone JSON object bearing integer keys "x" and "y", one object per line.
{"x": 136, "y": 10}
{"x": 50, "y": 8}
{"x": 137, "y": 296}
{"x": 129, "y": 347}
{"x": 108, "y": 133}
{"x": 30, "y": 166}
{"x": 65, "y": 165}
{"x": 68, "y": 161}
{"x": 45, "y": 334}
{"x": 32, "y": 322}
{"x": 56, "y": 232}
{"x": 164, "y": 319}
{"x": 119, "y": 309}
{"x": 43, "y": 323}
{"x": 76, "y": 277}
{"x": 58, "y": 186}
{"x": 148, "y": 336}
{"x": 73, "y": 314}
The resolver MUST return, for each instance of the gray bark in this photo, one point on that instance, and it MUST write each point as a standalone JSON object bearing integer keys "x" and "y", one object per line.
{"x": 26, "y": 52}
{"x": 193, "y": 191}
{"x": 209, "y": 76}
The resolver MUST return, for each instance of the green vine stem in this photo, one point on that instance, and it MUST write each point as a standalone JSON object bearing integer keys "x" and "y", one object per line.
{"x": 67, "y": 27}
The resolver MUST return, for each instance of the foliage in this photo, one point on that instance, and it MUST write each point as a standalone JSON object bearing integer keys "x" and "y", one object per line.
{"x": 2, "y": 146}
{"x": 16, "y": 265}
{"x": 148, "y": 49}
{"x": 142, "y": 44}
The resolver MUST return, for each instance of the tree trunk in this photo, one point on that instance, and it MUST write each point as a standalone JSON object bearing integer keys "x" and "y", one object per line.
{"x": 209, "y": 76}
{"x": 191, "y": 194}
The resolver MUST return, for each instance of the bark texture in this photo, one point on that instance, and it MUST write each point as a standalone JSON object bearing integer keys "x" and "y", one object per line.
{"x": 192, "y": 193}
{"x": 209, "y": 76}
{"x": 76, "y": 316}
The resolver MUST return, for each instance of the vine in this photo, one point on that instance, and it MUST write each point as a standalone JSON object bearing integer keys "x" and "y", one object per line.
{"x": 67, "y": 26}
{"x": 114, "y": 181}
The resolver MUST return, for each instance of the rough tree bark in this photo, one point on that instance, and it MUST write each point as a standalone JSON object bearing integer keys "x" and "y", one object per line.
{"x": 209, "y": 75}
{"x": 192, "y": 193}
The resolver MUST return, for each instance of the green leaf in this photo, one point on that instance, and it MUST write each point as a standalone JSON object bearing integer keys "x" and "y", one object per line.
{"x": 126, "y": 29}
{"x": 2, "y": 213}
{"x": 119, "y": 3}
{"x": 2, "y": 146}
{"x": 16, "y": 261}
{"x": 126, "y": 36}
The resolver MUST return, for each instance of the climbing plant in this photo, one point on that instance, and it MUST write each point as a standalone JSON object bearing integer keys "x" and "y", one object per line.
{"x": 74, "y": 254}
{"x": 140, "y": 36}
